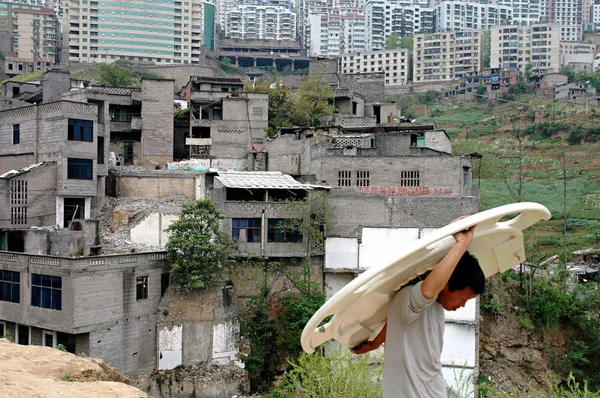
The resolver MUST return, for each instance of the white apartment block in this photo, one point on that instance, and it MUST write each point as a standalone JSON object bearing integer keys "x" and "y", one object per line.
{"x": 524, "y": 12}
{"x": 447, "y": 55}
{"x": 336, "y": 33}
{"x": 570, "y": 48}
{"x": 596, "y": 13}
{"x": 260, "y": 22}
{"x": 460, "y": 15}
{"x": 568, "y": 14}
{"x": 136, "y": 30}
{"x": 513, "y": 47}
{"x": 405, "y": 17}
{"x": 396, "y": 64}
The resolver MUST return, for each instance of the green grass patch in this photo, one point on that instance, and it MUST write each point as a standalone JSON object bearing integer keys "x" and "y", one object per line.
{"x": 28, "y": 77}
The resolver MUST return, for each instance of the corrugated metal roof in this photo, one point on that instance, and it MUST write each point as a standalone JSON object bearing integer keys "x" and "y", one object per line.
{"x": 259, "y": 179}
{"x": 14, "y": 173}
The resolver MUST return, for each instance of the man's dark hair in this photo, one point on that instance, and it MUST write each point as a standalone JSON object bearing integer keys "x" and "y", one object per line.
{"x": 467, "y": 273}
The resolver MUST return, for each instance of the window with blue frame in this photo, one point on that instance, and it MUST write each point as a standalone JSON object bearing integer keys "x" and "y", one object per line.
{"x": 79, "y": 169}
{"x": 10, "y": 286}
{"x": 246, "y": 229}
{"x": 284, "y": 230}
{"x": 81, "y": 130}
{"x": 46, "y": 291}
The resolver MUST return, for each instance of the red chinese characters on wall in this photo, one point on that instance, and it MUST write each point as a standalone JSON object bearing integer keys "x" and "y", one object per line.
{"x": 405, "y": 191}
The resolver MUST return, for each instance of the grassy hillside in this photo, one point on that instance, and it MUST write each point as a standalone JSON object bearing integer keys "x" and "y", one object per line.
{"x": 546, "y": 157}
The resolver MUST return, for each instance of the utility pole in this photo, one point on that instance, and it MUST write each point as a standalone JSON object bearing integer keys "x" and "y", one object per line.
{"x": 564, "y": 281}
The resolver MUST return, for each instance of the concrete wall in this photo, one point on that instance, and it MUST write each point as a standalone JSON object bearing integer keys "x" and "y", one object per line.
{"x": 55, "y": 82}
{"x": 41, "y": 190}
{"x": 152, "y": 230}
{"x": 181, "y": 73}
{"x": 352, "y": 211}
{"x": 155, "y": 186}
{"x": 157, "y": 118}
{"x": 99, "y": 298}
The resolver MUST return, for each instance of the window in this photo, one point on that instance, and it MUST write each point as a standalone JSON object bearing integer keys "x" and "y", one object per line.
{"x": 2, "y": 329}
{"x": 246, "y": 229}
{"x": 164, "y": 284}
{"x": 23, "y": 335}
{"x": 141, "y": 291}
{"x": 81, "y": 130}
{"x": 10, "y": 286}
{"x": 344, "y": 178}
{"x": 16, "y": 134}
{"x": 284, "y": 230}
{"x": 46, "y": 291}
{"x": 49, "y": 338}
{"x": 409, "y": 179}
{"x": 79, "y": 169}
{"x": 100, "y": 155}
{"x": 362, "y": 178}
{"x": 18, "y": 202}
{"x": 466, "y": 177}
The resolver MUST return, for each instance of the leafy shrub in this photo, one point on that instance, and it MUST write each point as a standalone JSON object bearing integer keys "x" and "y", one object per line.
{"x": 548, "y": 304}
{"x": 331, "y": 373}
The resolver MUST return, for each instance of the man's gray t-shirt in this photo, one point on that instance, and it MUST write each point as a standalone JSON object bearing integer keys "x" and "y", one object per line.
{"x": 413, "y": 346}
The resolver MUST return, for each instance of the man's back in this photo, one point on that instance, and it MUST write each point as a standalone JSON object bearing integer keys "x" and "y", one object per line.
{"x": 415, "y": 335}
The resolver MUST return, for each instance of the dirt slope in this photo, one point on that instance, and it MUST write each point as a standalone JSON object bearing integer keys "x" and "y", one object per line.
{"x": 33, "y": 371}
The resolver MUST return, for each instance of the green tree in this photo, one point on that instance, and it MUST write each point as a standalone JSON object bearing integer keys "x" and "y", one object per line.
{"x": 115, "y": 76}
{"x": 407, "y": 42}
{"x": 480, "y": 92}
{"x": 487, "y": 48}
{"x": 312, "y": 102}
{"x": 281, "y": 105}
{"x": 528, "y": 70}
{"x": 569, "y": 71}
{"x": 392, "y": 42}
{"x": 197, "y": 249}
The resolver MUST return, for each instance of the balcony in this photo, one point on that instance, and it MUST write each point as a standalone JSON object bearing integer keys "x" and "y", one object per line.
{"x": 126, "y": 124}
{"x": 198, "y": 141}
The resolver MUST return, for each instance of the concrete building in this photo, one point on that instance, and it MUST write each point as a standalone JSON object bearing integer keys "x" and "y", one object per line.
{"x": 139, "y": 31}
{"x": 495, "y": 81}
{"x": 570, "y": 48}
{"x": 104, "y": 306}
{"x": 447, "y": 55}
{"x": 36, "y": 35}
{"x": 225, "y": 122}
{"x": 525, "y": 12}
{"x": 138, "y": 122}
{"x": 568, "y": 14}
{"x": 459, "y": 15}
{"x": 514, "y": 47}
{"x": 333, "y": 32}
{"x": 396, "y": 64}
{"x": 384, "y": 17}
{"x": 260, "y": 22}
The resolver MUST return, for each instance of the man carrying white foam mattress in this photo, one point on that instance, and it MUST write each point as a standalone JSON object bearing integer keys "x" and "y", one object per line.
{"x": 414, "y": 332}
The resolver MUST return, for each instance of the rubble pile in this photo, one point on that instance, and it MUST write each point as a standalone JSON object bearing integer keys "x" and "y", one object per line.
{"x": 119, "y": 215}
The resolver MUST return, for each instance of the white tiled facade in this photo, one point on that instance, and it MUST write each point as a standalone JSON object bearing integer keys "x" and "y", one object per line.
{"x": 513, "y": 47}
{"x": 524, "y": 12}
{"x": 394, "y": 63}
{"x": 336, "y": 31}
{"x": 447, "y": 55}
{"x": 568, "y": 14}
{"x": 260, "y": 22}
{"x": 35, "y": 34}
{"x": 459, "y": 15}
{"x": 405, "y": 17}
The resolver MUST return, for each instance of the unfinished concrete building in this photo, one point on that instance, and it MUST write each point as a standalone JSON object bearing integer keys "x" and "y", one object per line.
{"x": 225, "y": 121}
{"x": 103, "y": 306}
{"x": 139, "y": 121}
